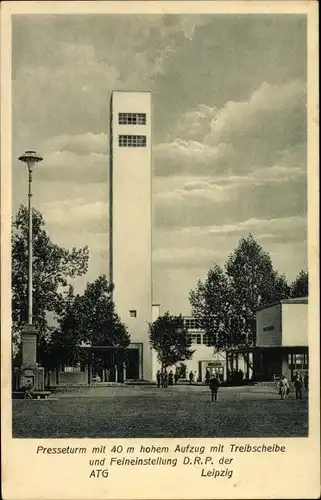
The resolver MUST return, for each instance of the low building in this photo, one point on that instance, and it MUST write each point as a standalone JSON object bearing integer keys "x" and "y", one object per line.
{"x": 281, "y": 348}
{"x": 205, "y": 357}
{"x": 282, "y": 339}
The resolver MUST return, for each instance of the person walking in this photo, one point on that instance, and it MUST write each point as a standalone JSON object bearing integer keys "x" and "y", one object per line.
{"x": 207, "y": 377}
{"x": 176, "y": 377}
{"x": 214, "y": 384}
{"x": 170, "y": 378}
{"x": 164, "y": 379}
{"x": 298, "y": 384}
{"x": 191, "y": 377}
{"x": 284, "y": 387}
{"x": 158, "y": 378}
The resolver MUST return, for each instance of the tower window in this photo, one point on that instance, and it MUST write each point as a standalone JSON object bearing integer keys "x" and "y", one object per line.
{"x": 132, "y": 141}
{"x": 132, "y": 118}
{"x": 133, "y": 313}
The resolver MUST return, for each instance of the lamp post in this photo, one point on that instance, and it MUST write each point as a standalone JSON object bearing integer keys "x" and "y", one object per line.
{"x": 29, "y": 369}
{"x": 30, "y": 158}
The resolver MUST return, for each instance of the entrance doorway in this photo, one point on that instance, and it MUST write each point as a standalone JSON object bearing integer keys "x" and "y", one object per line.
{"x": 132, "y": 364}
{"x": 298, "y": 363}
{"x": 271, "y": 365}
{"x": 217, "y": 370}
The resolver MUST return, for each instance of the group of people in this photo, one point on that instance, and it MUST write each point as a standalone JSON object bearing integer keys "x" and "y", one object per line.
{"x": 299, "y": 383}
{"x": 165, "y": 379}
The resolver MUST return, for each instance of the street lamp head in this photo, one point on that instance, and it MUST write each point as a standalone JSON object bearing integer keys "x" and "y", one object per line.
{"x": 30, "y": 158}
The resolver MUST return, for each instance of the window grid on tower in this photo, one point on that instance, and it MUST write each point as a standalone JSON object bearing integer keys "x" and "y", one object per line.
{"x": 132, "y": 118}
{"x": 132, "y": 141}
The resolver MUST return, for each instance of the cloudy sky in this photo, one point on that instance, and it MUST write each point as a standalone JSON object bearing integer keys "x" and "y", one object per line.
{"x": 229, "y": 138}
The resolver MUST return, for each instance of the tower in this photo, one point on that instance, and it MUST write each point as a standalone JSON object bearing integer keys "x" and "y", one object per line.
{"x": 130, "y": 203}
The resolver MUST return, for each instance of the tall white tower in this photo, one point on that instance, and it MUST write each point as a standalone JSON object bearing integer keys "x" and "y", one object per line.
{"x": 131, "y": 222}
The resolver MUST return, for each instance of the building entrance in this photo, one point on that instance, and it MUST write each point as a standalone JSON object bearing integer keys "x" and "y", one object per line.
{"x": 271, "y": 364}
{"x": 132, "y": 364}
{"x": 216, "y": 369}
{"x": 107, "y": 363}
{"x": 298, "y": 363}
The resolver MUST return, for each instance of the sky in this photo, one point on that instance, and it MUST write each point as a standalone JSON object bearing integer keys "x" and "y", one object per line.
{"x": 229, "y": 134}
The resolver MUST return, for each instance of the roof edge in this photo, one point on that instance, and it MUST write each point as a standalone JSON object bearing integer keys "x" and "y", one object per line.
{"x": 297, "y": 300}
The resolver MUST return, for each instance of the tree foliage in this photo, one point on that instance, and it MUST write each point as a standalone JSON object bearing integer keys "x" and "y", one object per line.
{"x": 170, "y": 339}
{"x": 300, "y": 286}
{"x": 89, "y": 318}
{"x": 53, "y": 267}
{"x": 226, "y": 302}
{"x": 211, "y": 304}
{"x": 253, "y": 283}
{"x": 62, "y": 345}
{"x": 97, "y": 321}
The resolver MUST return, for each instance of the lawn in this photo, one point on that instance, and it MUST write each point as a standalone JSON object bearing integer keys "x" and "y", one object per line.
{"x": 146, "y": 411}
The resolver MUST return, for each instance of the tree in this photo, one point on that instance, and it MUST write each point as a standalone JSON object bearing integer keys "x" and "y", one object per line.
{"x": 253, "y": 283}
{"x": 53, "y": 267}
{"x": 91, "y": 318}
{"x": 227, "y": 301}
{"x": 169, "y": 337}
{"x": 211, "y": 304}
{"x": 97, "y": 321}
{"x": 300, "y": 286}
{"x": 88, "y": 318}
{"x": 62, "y": 344}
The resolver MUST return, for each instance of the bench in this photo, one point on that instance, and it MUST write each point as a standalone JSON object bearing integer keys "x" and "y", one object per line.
{"x": 35, "y": 394}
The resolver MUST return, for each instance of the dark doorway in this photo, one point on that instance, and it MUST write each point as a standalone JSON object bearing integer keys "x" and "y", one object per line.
{"x": 132, "y": 365}
{"x": 271, "y": 365}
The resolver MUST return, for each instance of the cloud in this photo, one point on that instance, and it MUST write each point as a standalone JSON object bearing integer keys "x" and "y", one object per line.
{"x": 273, "y": 230}
{"x": 182, "y": 157}
{"x": 189, "y": 22}
{"x": 214, "y": 204}
{"x": 272, "y": 111}
{"x": 76, "y": 214}
{"x": 279, "y": 229}
{"x": 66, "y": 166}
{"x": 229, "y": 107}
{"x": 196, "y": 185}
{"x": 184, "y": 257}
{"x": 240, "y": 137}
{"x": 74, "y": 91}
{"x": 193, "y": 125}
{"x": 82, "y": 144}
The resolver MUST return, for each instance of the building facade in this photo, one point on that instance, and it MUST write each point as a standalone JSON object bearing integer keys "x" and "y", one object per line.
{"x": 281, "y": 348}
{"x": 130, "y": 222}
{"x": 205, "y": 357}
{"x": 282, "y": 339}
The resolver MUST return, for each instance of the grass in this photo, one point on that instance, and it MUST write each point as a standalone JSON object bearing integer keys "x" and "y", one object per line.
{"x": 145, "y": 411}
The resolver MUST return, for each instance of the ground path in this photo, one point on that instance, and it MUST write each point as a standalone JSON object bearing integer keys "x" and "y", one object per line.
{"x": 145, "y": 411}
